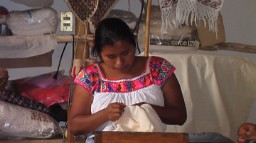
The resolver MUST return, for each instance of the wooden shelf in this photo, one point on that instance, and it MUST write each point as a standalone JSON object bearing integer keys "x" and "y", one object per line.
{"x": 231, "y": 47}
{"x": 69, "y": 38}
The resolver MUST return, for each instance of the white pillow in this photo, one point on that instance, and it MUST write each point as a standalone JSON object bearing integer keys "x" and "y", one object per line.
{"x": 17, "y": 121}
{"x": 33, "y": 21}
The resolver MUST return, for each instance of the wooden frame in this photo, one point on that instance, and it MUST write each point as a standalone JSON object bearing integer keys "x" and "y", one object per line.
{"x": 139, "y": 137}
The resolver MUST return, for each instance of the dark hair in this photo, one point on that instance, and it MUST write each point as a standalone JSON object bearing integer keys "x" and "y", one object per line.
{"x": 109, "y": 31}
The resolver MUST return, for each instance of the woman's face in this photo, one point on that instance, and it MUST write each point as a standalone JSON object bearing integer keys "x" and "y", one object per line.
{"x": 119, "y": 56}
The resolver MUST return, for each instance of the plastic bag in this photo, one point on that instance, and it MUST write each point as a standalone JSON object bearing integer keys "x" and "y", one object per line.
{"x": 17, "y": 121}
{"x": 44, "y": 88}
{"x": 33, "y": 21}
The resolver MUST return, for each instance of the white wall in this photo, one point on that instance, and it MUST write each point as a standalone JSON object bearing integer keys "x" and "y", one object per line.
{"x": 239, "y": 20}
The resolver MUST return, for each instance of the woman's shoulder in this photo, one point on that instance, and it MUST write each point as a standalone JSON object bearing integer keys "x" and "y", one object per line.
{"x": 154, "y": 61}
{"x": 90, "y": 68}
{"x": 151, "y": 58}
{"x": 89, "y": 71}
{"x": 160, "y": 69}
{"x": 88, "y": 77}
{"x": 157, "y": 60}
{"x": 160, "y": 64}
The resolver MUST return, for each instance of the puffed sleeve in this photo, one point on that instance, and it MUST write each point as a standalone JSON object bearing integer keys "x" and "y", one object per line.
{"x": 160, "y": 70}
{"x": 88, "y": 78}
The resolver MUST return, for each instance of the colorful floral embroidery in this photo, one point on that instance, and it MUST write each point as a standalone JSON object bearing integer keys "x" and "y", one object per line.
{"x": 90, "y": 79}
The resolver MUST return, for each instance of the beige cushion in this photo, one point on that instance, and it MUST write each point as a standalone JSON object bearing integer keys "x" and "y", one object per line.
{"x": 210, "y": 38}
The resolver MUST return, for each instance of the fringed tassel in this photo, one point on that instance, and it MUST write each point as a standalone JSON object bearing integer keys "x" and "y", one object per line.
{"x": 188, "y": 12}
{"x": 168, "y": 19}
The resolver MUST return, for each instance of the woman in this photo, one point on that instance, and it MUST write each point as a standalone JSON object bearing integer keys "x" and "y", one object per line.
{"x": 122, "y": 79}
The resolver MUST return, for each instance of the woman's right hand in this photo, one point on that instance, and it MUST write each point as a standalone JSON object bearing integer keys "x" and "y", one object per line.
{"x": 115, "y": 110}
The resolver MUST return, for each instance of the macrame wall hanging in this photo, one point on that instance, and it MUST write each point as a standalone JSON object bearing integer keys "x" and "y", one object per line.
{"x": 188, "y": 12}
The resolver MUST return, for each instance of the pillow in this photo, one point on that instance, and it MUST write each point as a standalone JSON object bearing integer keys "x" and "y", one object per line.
{"x": 168, "y": 36}
{"x": 17, "y": 121}
{"x": 33, "y": 21}
{"x": 210, "y": 38}
{"x": 183, "y": 38}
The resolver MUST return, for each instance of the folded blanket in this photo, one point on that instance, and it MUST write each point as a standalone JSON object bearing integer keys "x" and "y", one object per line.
{"x": 26, "y": 46}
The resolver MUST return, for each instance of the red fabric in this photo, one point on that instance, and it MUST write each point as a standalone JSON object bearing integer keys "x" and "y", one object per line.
{"x": 45, "y": 89}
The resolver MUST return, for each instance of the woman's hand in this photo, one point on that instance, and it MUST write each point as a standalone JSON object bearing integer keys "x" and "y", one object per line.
{"x": 115, "y": 110}
{"x": 246, "y": 131}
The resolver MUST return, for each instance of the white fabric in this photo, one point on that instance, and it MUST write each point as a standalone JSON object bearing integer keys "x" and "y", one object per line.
{"x": 26, "y": 46}
{"x": 151, "y": 95}
{"x": 139, "y": 119}
{"x": 33, "y": 22}
{"x": 24, "y": 122}
{"x": 219, "y": 91}
{"x": 178, "y": 12}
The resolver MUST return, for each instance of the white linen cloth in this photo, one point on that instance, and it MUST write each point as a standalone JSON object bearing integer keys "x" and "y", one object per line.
{"x": 219, "y": 91}
{"x": 178, "y": 12}
{"x": 151, "y": 95}
{"x": 26, "y": 46}
{"x": 139, "y": 119}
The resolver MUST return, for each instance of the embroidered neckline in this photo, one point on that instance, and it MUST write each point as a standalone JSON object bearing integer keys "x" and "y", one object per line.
{"x": 145, "y": 72}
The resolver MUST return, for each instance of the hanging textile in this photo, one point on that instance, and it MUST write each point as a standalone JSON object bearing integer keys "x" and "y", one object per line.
{"x": 91, "y": 10}
{"x": 188, "y": 12}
